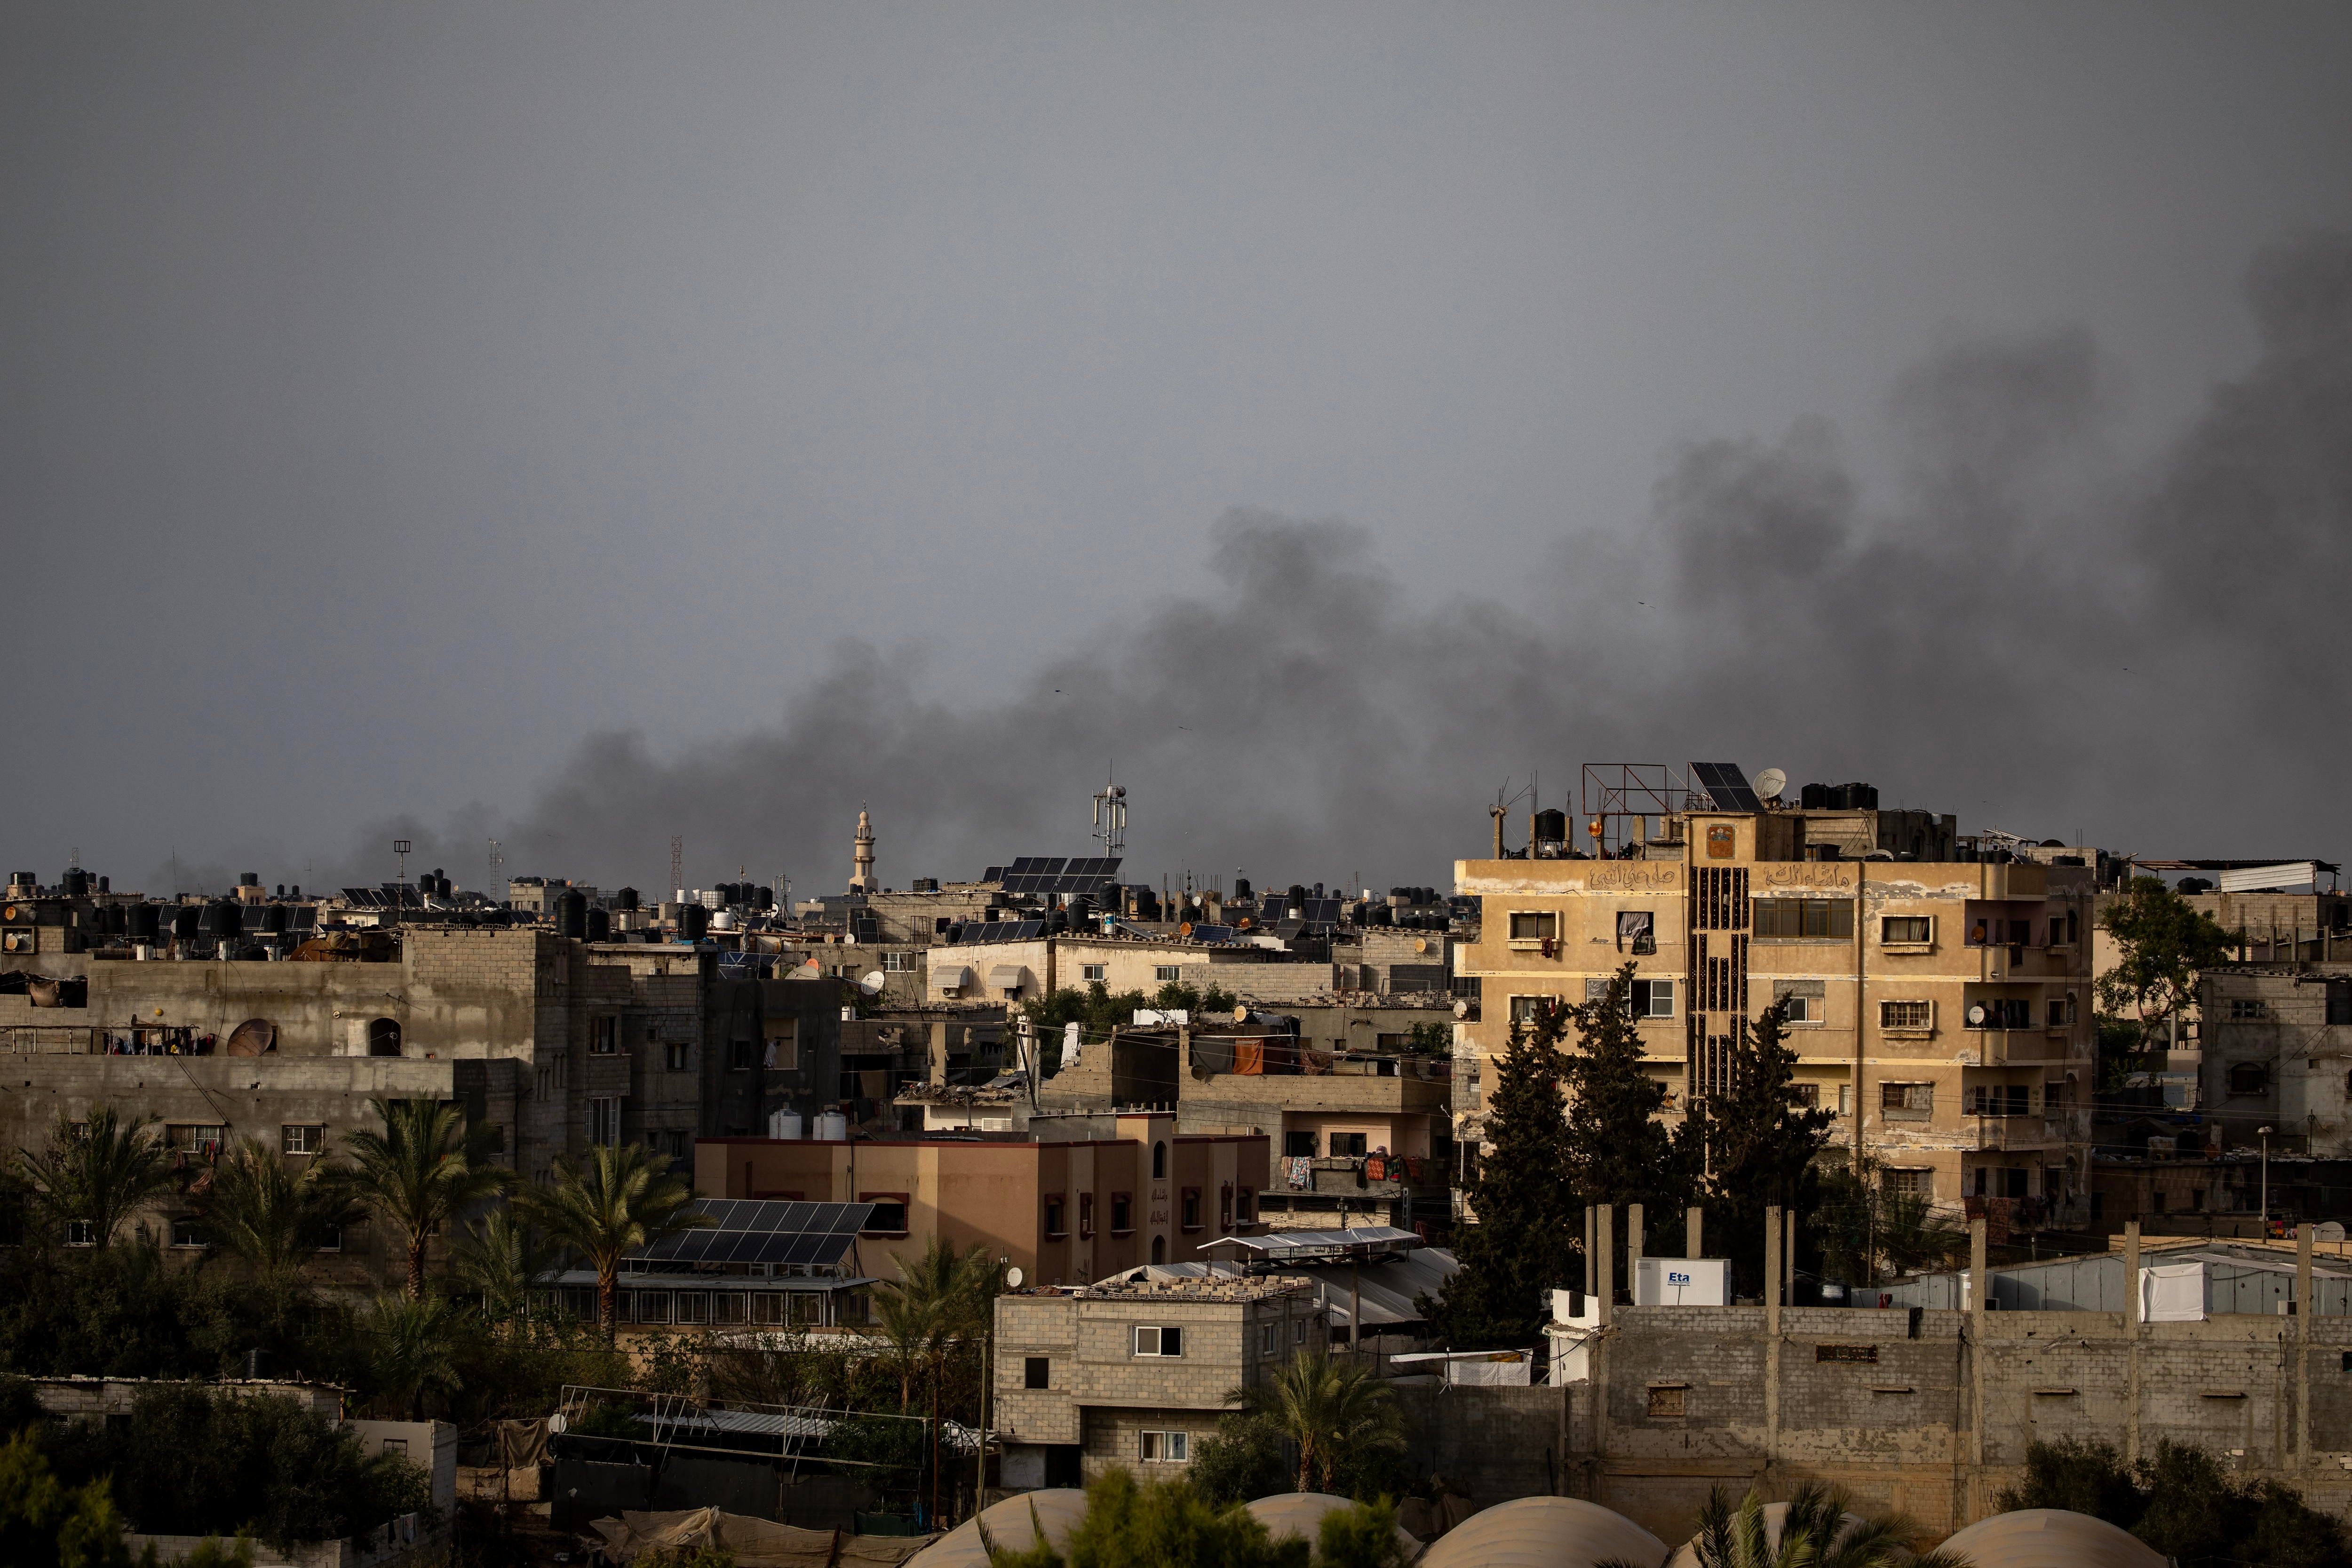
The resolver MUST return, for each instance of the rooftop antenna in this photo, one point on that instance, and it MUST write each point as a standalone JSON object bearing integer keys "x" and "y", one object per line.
{"x": 1110, "y": 814}
{"x": 496, "y": 860}
{"x": 678, "y": 867}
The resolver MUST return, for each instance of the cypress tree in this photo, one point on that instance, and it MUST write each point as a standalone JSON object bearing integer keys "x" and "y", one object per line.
{"x": 1527, "y": 1238}
{"x": 1759, "y": 1144}
{"x": 1619, "y": 1152}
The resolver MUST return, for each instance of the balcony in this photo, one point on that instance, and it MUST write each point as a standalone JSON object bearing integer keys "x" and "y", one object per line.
{"x": 2016, "y": 1047}
{"x": 1991, "y": 1133}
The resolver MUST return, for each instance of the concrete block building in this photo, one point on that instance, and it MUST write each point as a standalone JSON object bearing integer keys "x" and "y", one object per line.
{"x": 1135, "y": 1372}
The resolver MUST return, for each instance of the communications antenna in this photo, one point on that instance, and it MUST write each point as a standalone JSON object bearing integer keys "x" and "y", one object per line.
{"x": 496, "y": 860}
{"x": 678, "y": 867}
{"x": 1111, "y": 818}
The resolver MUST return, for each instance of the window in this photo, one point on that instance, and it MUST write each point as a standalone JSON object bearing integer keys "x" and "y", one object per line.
{"x": 1544, "y": 927}
{"x": 396, "y": 1447}
{"x": 1996, "y": 1100}
{"x": 1919, "y": 1184}
{"x": 2055, "y": 1096}
{"x": 324, "y": 1239}
{"x": 1298, "y": 1333}
{"x": 1122, "y": 1214}
{"x": 1900, "y": 930}
{"x": 187, "y": 1232}
{"x": 1165, "y": 1340}
{"x": 1351, "y": 1145}
{"x": 1192, "y": 1208}
{"x": 1906, "y": 1101}
{"x": 1094, "y": 971}
{"x": 1036, "y": 1371}
{"x": 1164, "y": 973}
{"x": 674, "y": 1056}
{"x": 1166, "y": 1447}
{"x": 301, "y": 1138}
{"x": 1245, "y": 1206}
{"x": 2060, "y": 1012}
{"x": 384, "y": 1038}
{"x": 691, "y": 1307}
{"x": 739, "y": 1055}
{"x": 2248, "y": 1009}
{"x": 197, "y": 1139}
{"x": 1299, "y": 1145}
{"x": 2249, "y": 1078}
{"x": 604, "y": 1121}
{"x": 1802, "y": 1009}
{"x": 1086, "y": 1216}
{"x": 1225, "y": 1209}
{"x": 2339, "y": 1000}
{"x": 1845, "y": 1100}
{"x": 899, "y": 962}
{"x": 1668, "y": 1402}
{"x": 1805, "y": 1096}
{"x": 1269, "y": 1339}
{"x": 604, "y": 1036}
{"x": 1651, "y": 998}
{"x": 648, "y": 1306}
{"x": 1637, "y": 930}
{"x": 2001, "y": 1013}
{"x": 81, "y": 1233}
{"x": 1055, "y": 1226}
{"x": 1524, "y": 1009}
{"x": 1159, "y": 1162}
{"x": 1906, "y": 1014}
{"x": 1792, "y": 918}
{"x": 889, "y": 1216}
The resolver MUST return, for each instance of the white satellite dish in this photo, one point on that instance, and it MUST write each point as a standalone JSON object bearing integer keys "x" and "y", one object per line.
{"x": 872, "y": 983}
{"x": 2327, "y": 1230}
{"x": 556, "y": 1423}
{"x": 1013, "y": 1277}
{"x": 1770, "y": 783}
{"x": 1977, "y": 1015}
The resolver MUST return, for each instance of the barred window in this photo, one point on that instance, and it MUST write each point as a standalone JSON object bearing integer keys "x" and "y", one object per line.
{"x": 1906, "y": 1014}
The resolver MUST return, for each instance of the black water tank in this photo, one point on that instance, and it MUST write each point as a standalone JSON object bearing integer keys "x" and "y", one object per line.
{"x": 1241, "y": 888}
{"x": 1297, "y": 892}
{"x": 187, "y": 920}
{"x": 77, "y": 884}
{"x": 953, "y": 933}
{"x": 693, "y": 921}
{"x": 1383, "y": 915}
{"x": 764, "y": 897}
{"x": 219, "y": 917}
{"x": 273, "y": 919}
{"x": 441, "y": 888}
{"x": 1551, "y": 826}
{"x": 600, "y": 926}
{"x": 626, "y": 901}
{"x": 297, "y": 892}
{"x": 1813, "y": 797}
{"x": 112, "y": 921}
{"x": 105, "y": 885}
{"x": 248, "y": 878}
{"x": 424, "y": 884}
{"x": 145, "y": 923}
{"x": 571, "y": 914}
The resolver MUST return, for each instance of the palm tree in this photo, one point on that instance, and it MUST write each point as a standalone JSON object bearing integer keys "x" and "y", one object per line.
{"x": 499, "y": 1261}
{"x": 271, "y": 1215}
{"x": 97, "y": 1173}
{"x": 942, "y": 1296}
{"x": 408, "y": 1349}
{"x": 1815, "y": 1531}
{"x": 1327, "y": 1409}
{"x": 620, "y": 1200}
{"x": 420, "y": 1172}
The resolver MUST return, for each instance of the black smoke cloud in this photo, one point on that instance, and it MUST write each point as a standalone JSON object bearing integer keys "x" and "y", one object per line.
{"x": 2020, "y": 633}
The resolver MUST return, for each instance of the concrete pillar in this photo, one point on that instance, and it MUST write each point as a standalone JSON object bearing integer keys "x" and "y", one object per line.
{"x": 1693, "y": 1231}
{"x": 1605, "y": 1260}
{"x": 1591, "y": 1255}
{"x": 2131, "y": 1340}
{"x": 1979, "y": 1293}
{"x": 2306, "y": 1302}
{"x": 1789, "y": 1272}
{"x": 1635, "y": 1245}
{"x": 1772, "y": 1253}
{"x": 1772, "y": 1268}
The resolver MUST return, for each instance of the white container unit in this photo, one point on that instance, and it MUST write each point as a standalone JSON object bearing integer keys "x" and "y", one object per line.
{"x": 1682, "y": 1282}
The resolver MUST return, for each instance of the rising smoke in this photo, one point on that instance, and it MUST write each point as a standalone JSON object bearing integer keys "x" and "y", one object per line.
{"x": 2018, "y": 633}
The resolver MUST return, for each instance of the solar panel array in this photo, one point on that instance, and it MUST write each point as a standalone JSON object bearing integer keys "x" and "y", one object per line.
{"x": 1002, "y": 930}
{"x": 765, "y": 1231}
{"x": 1726, "y": 785}
{"x": 1060, "y": 874}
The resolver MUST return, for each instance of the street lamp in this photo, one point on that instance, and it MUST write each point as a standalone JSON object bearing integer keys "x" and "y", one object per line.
{"x": 2264, "y": 1134}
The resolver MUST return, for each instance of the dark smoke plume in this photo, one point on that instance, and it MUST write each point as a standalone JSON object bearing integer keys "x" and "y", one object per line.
{"x": 2018, "y": 634}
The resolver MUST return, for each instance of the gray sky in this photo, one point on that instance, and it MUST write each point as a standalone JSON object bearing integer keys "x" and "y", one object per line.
{"x": 406, "y": 406}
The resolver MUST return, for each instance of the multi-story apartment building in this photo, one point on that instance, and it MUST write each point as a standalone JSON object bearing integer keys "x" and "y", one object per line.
{"x": 2277, "y": 1054}
{"x": 1942, "y": 1009}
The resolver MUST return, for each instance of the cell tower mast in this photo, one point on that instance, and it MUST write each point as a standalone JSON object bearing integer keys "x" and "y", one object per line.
{"x": 1111, "y": 818}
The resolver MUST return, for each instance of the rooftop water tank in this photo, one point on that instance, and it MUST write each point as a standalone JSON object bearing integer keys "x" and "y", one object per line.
{"x": 832, "y": 1127}
{"x": 784, "y": 1124}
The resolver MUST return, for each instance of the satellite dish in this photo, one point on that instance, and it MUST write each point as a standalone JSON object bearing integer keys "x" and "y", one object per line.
{"x": 1977, "y": 1014}
{"x": 557, "y": 1424}
{"x": 1770, "y": 783}
{"x": 1241, "y": 1013}
{"x": 2328, "y": 1230}
{"x": 871, "y": 984}
{"x": 1462, "y": 1009}
{"x": 1013, "y": 1277}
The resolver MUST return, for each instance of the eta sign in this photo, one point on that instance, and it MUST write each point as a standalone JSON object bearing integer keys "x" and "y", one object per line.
{"x": 1676, "y": 1277}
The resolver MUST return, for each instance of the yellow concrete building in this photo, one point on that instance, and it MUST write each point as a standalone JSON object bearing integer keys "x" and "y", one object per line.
{"x": 1942, "y": 1009}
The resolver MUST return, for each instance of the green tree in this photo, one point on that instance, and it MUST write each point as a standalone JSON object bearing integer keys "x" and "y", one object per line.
{"x": 2182, "y": 1503}
{"x": 1524, "y": 1241}
{"x": 1165, "y": 1524}
{"x": 1329, "y": 1411}
{"x": 272, "y": 1217}
{"x": 617, "y": 1202}
{"x": 1867, "y": 1232}
{"x": 1241, "y": 1460}
{"x": 1816, "y": 1532}
{"x": 941, "y": 1299}
{"x": 97, "y": 1173}
{"x": 500, "y": 1263}
{"x": 421, "y": 1172}
{"x": 1618, "y": 1150}
{"x": 2162, "y": 942}
{"x": 45, "y": 1523}
{"x": 1360, "y": 1537}
{"x": 410, "y": 1350}
{"x": 1759, "y": 1144}
{"x": 1096, "y": 1010}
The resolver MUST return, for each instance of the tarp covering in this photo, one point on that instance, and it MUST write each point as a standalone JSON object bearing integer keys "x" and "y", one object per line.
{"x": 755, "y": 1542}
{"x": 2051, "y": 1538}
{"x": 1301, "y": 1514}
{"x": 1012, "y": 1525}
{"x": 1545, "y": 1532}
{"x": 521, "y": 1443}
